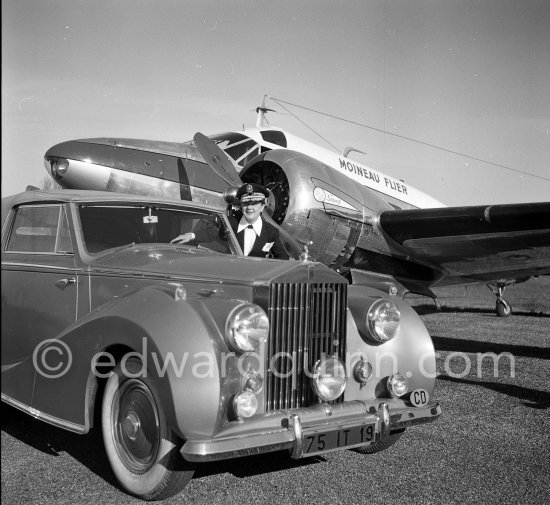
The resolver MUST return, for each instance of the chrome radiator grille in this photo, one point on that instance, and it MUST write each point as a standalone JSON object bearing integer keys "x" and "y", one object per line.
{"x": 307, "y": 321}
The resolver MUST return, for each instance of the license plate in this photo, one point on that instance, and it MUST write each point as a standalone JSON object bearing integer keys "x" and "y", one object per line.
{"x": 325, "y": 441}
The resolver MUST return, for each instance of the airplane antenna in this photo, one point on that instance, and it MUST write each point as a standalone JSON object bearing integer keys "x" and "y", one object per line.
{"x": 402, "y": 137}
{"x": 305, "y": 124}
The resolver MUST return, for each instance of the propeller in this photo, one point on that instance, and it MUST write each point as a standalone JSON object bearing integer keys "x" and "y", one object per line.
{"x": 217, "y": 159}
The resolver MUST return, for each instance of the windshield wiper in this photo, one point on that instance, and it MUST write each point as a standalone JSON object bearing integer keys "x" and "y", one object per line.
{"x": 194, "y": 247}
{"x": 109, "y": 252}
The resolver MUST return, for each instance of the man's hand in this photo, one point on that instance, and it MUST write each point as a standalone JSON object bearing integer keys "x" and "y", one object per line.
{"x": 183, "y": 239}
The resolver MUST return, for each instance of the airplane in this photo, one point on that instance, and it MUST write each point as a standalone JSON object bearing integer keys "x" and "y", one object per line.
{"x": 370, "y": 227}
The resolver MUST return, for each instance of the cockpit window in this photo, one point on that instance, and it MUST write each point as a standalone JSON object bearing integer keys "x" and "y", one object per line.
{"x": 240, "y": 147}
{"x": 228, "y": 139}
{"x": 275, "y": 137}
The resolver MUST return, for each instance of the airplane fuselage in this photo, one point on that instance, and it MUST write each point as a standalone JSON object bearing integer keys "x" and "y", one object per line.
{"x": 317, "y": 196}
{"x": 243, "y": 146}
{"x": 371, "y": 227}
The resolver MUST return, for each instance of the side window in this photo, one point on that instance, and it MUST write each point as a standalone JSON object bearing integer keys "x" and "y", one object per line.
{"x": 35, "y": 230}
{"x": 64, "y": 244}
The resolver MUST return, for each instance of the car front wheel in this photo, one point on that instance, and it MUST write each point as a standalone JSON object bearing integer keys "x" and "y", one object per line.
{"x": 141, "y": 448}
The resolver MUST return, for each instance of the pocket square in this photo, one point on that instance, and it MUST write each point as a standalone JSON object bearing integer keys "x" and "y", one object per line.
{"x": 267, "y": 247}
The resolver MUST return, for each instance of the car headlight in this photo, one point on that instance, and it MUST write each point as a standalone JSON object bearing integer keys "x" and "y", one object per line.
{"x": 329, "y": 378}
{"x": 383, "y": 320}
{"x": 397, "y": 385}
{"x": 246, "y": 328}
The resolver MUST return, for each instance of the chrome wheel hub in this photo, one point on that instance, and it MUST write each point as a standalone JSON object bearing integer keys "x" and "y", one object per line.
{"x": 136, "y": 426}
{"x": 131, "y": 426}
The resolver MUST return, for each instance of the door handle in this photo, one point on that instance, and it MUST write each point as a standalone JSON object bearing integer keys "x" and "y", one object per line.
{"x": 63, "y": 283}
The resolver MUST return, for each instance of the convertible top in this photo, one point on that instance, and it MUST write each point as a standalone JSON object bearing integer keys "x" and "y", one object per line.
{"x": 75, "y": 195}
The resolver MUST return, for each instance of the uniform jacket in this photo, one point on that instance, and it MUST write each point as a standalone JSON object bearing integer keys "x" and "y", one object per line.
{"x": 261, "y": 248}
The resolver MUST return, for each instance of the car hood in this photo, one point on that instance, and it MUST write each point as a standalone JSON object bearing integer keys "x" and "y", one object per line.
{"x": 193, "y": 263}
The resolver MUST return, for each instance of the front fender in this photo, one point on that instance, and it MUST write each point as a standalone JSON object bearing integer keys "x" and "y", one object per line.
{"x": 410, "y": 352}
{"x": 177, "y": 338}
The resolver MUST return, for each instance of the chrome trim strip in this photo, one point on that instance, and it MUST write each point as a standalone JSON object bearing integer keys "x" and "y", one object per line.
{"x": 172, "y": 277}
{"x": 41, "y": 253}
{"x": 130, "y": 275}
{"x": 37, "y": 265}
{"x": 56, "y": 421}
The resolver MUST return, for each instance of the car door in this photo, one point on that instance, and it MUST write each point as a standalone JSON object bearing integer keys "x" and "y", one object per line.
{"x": 39, "y": 295}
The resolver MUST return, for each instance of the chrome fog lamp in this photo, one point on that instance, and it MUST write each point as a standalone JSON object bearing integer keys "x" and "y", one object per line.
{"x": 383, "y": 320}
{"x": 254, "y": 382}
{"x": 246, "y": 328}
{"x": 397, "y": 385}
{"x": 329, "y": 378}
{"x": 245, "y": 404}
{"x": 362, "y": 371}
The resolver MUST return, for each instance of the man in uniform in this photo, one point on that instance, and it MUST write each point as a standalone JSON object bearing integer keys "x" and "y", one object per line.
{"x": 255, "y": 235}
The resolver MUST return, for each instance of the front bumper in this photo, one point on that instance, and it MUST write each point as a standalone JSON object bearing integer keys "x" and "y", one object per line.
{"x": 289, "y": 430}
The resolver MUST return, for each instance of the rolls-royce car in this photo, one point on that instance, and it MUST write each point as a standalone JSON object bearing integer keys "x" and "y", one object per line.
{"x": 188, "y": 353}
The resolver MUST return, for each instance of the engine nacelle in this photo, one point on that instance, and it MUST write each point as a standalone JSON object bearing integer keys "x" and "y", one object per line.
{"x": 309, "y": 199}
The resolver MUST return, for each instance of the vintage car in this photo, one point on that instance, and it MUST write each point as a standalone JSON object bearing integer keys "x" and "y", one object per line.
{"x": 192, "y": 353}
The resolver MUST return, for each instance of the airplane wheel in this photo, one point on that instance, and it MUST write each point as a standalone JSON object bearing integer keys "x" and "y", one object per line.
{"x": 141, "y": 448}
{"x": 503, "y": 309}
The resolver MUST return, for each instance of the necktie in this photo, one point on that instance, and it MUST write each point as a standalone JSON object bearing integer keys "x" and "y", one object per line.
{"x": 249, "y": 238}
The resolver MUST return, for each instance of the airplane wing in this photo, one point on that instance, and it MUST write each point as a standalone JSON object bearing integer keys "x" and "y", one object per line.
{"x": 477, "y": 243}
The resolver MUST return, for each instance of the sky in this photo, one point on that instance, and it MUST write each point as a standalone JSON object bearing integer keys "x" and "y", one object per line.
{"x": 461, "y": 87}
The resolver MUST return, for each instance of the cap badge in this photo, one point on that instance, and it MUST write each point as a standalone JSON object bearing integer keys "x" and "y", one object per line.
{"x": 249, "y": 188}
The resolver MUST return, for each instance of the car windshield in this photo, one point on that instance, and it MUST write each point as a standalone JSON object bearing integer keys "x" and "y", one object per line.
{"x": 105, "y": 227}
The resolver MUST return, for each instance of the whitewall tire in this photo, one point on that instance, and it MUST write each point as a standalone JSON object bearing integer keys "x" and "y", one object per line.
{"x": 141, "y": 448}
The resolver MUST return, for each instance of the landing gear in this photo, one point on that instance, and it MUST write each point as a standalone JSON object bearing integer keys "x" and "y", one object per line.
{"x": 502, "y": 308}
